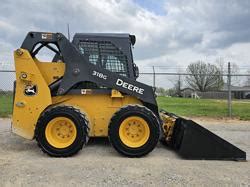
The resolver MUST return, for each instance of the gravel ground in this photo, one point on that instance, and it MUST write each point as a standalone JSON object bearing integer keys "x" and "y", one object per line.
{"x": 23, "y": 164}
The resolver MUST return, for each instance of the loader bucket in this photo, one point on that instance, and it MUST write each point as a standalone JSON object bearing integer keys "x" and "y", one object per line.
{"x": 193, "y": 141}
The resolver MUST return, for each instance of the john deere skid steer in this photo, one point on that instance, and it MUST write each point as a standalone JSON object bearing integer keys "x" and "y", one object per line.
{"x": 89, "y": 89}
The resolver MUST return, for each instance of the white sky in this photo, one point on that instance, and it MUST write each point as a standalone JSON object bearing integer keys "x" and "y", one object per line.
{"x": 171, "y": 33}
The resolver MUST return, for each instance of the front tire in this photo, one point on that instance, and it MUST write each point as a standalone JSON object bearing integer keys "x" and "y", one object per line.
{"x": 62, "y": 131}
{"x": 134, "y": 131}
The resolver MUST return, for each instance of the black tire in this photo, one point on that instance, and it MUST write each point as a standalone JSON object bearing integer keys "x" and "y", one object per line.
{"x": 120, "y": 116}
{"x": 80, "y": 121}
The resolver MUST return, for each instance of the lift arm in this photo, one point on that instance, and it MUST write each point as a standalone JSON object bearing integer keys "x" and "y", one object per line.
{"x": 78, "y": 69}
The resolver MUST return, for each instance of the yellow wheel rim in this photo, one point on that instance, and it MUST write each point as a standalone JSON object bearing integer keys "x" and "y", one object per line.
{"x": 60, "y": 132}
{"x": 134, "y": 132}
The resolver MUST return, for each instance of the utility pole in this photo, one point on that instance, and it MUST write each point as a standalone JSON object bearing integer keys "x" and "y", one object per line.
{"x": 68, "y": 31}
{"x": 153, "y": 76}
{"x": 229, "y": 91}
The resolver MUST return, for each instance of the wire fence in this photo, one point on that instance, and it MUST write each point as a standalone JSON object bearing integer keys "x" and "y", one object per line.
{"x": 174, "y": 94}
{"x": 232, "y": 99}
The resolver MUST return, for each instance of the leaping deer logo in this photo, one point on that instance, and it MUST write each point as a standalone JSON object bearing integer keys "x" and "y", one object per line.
{"x": 30, "y": 90}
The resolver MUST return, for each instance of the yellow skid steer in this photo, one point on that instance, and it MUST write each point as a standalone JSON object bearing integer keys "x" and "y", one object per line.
{"x": 89, "y": 89}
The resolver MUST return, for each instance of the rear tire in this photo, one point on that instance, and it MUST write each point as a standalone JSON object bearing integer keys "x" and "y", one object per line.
{"x": 134, "y": 131}
{"x": 62, "y": 131}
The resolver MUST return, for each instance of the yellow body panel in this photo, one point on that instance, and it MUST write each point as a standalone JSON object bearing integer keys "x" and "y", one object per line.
{"x": 27, "y": 109}
{"x": 99, "y": 108}
{"x": 51, "y": 71}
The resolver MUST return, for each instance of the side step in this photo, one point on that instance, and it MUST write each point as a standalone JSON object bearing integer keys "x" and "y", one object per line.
{"x": 193, "y": 141}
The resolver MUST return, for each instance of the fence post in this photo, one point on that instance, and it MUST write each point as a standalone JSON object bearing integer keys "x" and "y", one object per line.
{"x": 229, "y": 102}
{"x": 153, "y": 76}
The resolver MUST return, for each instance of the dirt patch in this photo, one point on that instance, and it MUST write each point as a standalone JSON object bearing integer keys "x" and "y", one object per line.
{"x": 23, "y": 164}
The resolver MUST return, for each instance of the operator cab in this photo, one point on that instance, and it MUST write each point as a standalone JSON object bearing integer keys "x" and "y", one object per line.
{"x": 112, "y": 52}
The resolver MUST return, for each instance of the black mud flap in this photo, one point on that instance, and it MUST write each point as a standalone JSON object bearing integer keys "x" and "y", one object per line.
{"x": 193, "y": 141}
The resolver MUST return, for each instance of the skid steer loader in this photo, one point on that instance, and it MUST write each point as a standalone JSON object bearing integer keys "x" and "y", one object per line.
{"x": 89, "y": 89}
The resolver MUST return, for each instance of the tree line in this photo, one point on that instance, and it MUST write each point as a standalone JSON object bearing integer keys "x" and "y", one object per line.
{"x": 203, "y": 77}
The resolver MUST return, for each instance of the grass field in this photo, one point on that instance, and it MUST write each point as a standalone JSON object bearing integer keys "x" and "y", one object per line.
{"x": 5, "y": 105}
{"x": 205, "y": 107}
{"x": 180, "y": 106}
